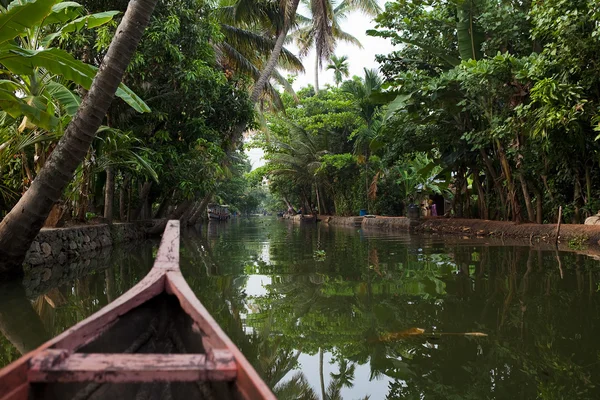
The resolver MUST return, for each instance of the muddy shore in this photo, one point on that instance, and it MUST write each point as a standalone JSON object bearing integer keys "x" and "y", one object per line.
{"x": 584, "y": 239}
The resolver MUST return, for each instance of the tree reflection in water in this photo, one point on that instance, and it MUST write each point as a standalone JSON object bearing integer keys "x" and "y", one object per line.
{"x": 353, "y": 304}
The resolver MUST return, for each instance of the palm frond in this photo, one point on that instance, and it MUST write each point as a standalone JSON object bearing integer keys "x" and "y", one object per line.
{"x": 368, "y": 7}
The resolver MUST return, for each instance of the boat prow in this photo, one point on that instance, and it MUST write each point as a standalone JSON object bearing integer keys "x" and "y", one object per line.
{"x": 155, "y": 341}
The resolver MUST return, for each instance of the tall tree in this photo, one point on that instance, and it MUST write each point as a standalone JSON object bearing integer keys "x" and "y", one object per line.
{"x": 249, "y": 34}
{"x": 339, "y": 65}
{"x": 322, "y": 30}
{"x": 20, "y": 227}
{"x": 322, "y": 16}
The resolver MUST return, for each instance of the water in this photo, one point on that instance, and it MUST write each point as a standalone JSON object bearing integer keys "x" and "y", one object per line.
{"x": 342, "y": 309}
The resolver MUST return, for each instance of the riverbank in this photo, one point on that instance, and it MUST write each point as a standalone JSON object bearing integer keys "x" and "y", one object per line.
{"x": 574, "y": 236}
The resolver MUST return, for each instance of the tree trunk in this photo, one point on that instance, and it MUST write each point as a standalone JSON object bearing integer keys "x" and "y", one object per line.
{"x": 20, "y": 227}
{"x": 467, "y": 208}
{"x": 321, "y": 376}
{"x": 181, "y": 209}
{"x": 199, "y": 212}
{"x": 129, "y": 191}
{"x": 84, "y": 191}
{"x": 164, "y": 205}
{"x": 319, "y": 207}
{"x": 123, "y": 198}
{"x": 512, "y": 192}
{"x": 545, "y": 180}
{"x": 577, "y": 200}
{"x": 288, "y": 204}
{"x": 539, "y": 212}
{"x": 588, "y": 185}
{"x": 527, "y": 198}
{"x": 265, "y": 75}
{"x": 186, "y": 215}
{"x": 176, "y": 214}
{"x": 144, "y": 191}
{"x": 495, "y": 180}
{"x": 19, "y": 323}
{"x": 109, "y": 194}
{"x": 483, "y": 210}
{"x": 316, "y": 73}
{"x": 457, "y": 199}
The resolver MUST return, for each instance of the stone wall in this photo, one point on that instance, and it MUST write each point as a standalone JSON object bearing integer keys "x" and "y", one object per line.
{"x": 61, "y": 245}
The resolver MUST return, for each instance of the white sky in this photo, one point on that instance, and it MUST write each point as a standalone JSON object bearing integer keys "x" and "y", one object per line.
{"x": 356, "y": 24}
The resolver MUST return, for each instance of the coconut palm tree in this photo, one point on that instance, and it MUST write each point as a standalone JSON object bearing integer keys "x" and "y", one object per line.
{"x": 21, "y": 225}
{"x": 322, "y": 12}
{"x": 339, "y": 65}
{"x": 248, "y": 37}
{"x": 324, "y": 38}
{"x": 361, "y": 91}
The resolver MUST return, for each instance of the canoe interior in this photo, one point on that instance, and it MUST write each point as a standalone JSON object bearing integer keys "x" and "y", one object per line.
{"x": 158, "y": 326}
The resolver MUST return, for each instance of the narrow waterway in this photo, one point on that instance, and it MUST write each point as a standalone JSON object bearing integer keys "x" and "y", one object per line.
{"x": 367, "y": 313}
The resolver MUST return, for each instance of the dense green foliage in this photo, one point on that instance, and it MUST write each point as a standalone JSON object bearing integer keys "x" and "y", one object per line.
{"x": 492, "y": 104}
{"x": 180, "y": 150}
{"x": 515, "y": 124}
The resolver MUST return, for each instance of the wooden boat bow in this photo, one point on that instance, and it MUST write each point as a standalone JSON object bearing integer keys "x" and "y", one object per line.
{"x": 64, "y": 359}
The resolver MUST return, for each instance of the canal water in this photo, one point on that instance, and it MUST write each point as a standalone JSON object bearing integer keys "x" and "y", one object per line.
{"x": 350, "y": 313}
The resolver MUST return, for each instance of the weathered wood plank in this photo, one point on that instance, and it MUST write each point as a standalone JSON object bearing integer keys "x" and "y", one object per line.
{"x": 217, "y": 364}
{"x": 167, "y": 257}
{"x": 15, "y": 374}
{"x": 18, "y": 393}
{"x": 248, "y": 382}
{"x": 59, "y": 366}
{"x": 11, "y": 377}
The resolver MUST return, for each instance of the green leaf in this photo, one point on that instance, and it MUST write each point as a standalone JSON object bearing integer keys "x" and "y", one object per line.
{"x": 470, "y": 37}
{"x": 399, "y": 102}
{"x": 59, "y": 62}
{"x": 67, "y": 98}
{"x": 22, "y": 15}
{"x": 87, "y": 21}
{"x": 449, "y": 58}
{"x": 63, "y": 12}
{"x": 16, "y": 107}
{"x": 132, "y": 99}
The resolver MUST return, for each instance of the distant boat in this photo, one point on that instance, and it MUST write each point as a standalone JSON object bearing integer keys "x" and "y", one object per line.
{"x": 155, "y": 341}
{"x": 217, "y": 212}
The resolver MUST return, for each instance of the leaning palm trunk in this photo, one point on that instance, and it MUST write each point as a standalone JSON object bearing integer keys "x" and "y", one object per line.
{"x": 20, "y": 227}
{"x": 317, "y": 74}
{"x": 199, "y": 212}
{"x": 265, "y": 75}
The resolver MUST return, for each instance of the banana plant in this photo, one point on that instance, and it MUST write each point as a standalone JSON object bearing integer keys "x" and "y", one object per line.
{"x": 41, "y": 78}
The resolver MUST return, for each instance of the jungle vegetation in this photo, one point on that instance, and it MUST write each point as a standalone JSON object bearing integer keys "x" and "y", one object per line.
{"x": 491, "y": 104}
{"x": 187, "y": 76}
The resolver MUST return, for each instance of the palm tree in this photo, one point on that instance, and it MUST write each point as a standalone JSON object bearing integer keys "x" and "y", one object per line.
{"x": 339, "y": 65}
{"x": 248, "y": 37}
{"x": 322, "y": 16}
{"x": 21, "y": 225}
{"x": 361, "y": 91}
{"x": 323, "y": 33}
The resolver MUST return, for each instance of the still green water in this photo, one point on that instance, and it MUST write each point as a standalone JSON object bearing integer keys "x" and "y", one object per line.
{"x": 332, "y": 308}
